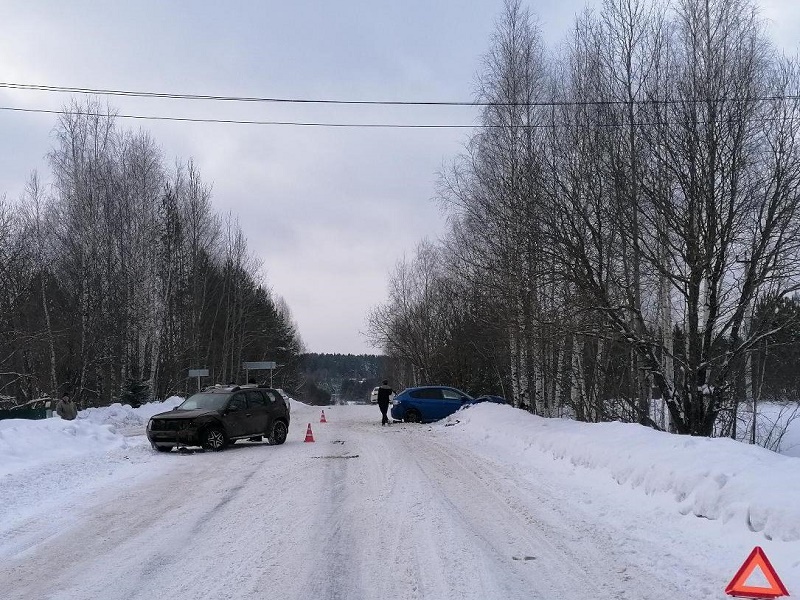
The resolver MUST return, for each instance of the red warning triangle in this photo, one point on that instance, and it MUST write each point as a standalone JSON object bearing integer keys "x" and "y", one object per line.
{"x": 757, "y": 559}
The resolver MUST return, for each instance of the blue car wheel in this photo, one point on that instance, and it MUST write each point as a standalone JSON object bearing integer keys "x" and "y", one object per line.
{"x": 412, "y": 416}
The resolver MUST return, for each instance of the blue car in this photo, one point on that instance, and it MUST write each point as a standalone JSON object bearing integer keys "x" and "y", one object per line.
{"x": 428, "y": 403}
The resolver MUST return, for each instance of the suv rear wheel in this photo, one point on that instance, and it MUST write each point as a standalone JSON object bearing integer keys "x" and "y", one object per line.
{"x": 214, "y": 438}
{"x": 278, "y": 434}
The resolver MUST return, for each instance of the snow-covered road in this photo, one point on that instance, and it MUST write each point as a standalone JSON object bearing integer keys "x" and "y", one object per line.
{"x": 401, "y": 512}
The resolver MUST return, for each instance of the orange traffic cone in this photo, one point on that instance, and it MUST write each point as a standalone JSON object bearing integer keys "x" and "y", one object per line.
{"x": 309, "y": 435}
{"x": 322, "y": 418}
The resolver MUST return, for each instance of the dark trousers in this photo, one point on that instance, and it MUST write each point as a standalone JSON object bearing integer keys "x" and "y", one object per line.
{"x": 384, "y": 406}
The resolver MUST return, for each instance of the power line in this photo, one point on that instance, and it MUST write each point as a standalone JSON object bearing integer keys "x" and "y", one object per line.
{"x": 256, "y": 99}
{"x": 241, "y": 122}
{"x": 140, "y": 94}
{"x": 550, "y": 125}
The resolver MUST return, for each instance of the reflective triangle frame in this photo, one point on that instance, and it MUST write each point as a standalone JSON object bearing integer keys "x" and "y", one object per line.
{"x": 738, "y": 587}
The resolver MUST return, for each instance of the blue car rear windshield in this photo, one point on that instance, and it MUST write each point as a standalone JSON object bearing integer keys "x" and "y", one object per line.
{"x": 209, "y": 401}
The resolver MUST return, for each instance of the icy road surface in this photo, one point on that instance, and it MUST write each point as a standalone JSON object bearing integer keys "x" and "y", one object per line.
{"x": 365, "y": 512}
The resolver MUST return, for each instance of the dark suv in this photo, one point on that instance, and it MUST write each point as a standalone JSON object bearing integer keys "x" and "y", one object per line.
{"x": 218, "y": 416}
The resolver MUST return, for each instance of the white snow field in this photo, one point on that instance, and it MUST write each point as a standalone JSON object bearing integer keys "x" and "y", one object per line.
{"x": 491, "y": 503}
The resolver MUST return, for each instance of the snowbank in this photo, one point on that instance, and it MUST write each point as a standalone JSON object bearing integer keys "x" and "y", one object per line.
{"x": 26, "y": 443}
{"x": 122, "y": 416}
{"x": 718, "y": 479}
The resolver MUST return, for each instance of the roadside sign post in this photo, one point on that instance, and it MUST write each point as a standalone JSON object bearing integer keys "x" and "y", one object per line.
{"x": 198, "y": 373}
{"x": 258, "y": 366}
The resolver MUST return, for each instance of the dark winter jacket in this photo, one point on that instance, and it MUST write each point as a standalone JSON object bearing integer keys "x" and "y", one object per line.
{"x": 384, "y": 393}
{"x": 66, "y": 409}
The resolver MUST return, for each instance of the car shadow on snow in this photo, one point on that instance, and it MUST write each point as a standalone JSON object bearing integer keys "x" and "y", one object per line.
{"x": 240, "y": 445}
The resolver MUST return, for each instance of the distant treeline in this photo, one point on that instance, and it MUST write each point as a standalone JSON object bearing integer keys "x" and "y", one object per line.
{"x": 329, "y": 378}
{"x": 117, "y": 276}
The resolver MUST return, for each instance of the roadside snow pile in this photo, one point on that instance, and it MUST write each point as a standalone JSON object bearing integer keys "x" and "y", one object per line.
{"x": 27, "y": 443}
{"x": 148, "y": 410}
{"x": 718, "y": 479}
{"x": 122, "y": 416}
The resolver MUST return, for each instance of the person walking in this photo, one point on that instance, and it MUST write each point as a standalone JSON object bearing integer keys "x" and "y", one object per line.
{"x": 66, "y": 408}
{"x": 384, "y": 394}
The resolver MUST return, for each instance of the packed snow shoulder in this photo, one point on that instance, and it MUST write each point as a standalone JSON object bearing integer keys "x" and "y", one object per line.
{"x": 714, "y": 478}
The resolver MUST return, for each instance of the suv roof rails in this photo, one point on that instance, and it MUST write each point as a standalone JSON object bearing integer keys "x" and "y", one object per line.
{"x": 221, "y": 387}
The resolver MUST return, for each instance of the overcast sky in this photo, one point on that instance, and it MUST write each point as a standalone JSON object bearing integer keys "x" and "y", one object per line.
{"x": 328, "y": 211}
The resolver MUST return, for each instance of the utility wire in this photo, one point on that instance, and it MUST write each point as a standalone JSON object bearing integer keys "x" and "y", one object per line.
{"x": 140, "y": 94}
{"x": 241, "y": 122}
{"x": 551, "y": 125}
{"x": 544, "y": 103}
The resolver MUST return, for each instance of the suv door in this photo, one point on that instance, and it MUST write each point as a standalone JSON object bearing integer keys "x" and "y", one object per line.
{"x": 237, "y": 415}
{"x": 259, "y": 412}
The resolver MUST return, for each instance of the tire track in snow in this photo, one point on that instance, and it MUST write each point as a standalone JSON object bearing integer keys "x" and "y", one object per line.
{"x": 573, "y": 559}
{"x": 131, "y": 543}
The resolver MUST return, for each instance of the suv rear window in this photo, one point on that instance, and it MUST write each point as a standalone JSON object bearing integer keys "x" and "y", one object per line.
{"x": 255, "y": 398}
